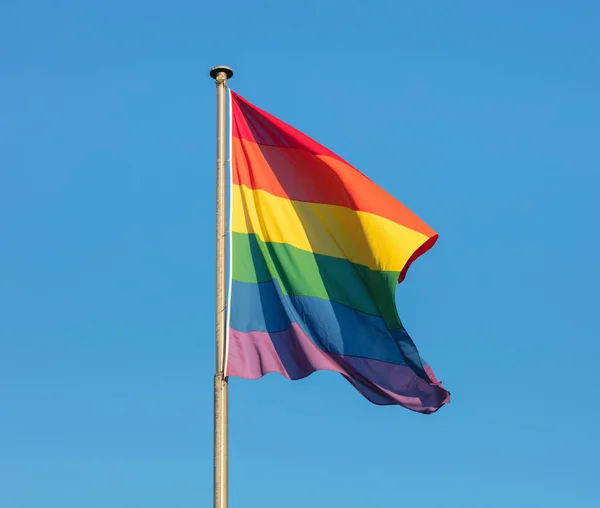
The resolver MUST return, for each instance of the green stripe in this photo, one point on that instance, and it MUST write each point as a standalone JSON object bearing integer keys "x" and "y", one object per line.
{"x": 303, "y": 273}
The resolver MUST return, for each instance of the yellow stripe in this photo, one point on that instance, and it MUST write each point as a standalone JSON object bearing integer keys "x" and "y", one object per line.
{"x": 331, "y": 230}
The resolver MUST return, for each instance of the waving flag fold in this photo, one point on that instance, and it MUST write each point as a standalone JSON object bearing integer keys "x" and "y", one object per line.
{"x": 317, "y": 250}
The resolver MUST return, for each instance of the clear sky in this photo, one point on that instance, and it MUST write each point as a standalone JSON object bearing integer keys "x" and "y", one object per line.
{"x": 482, "y": 117}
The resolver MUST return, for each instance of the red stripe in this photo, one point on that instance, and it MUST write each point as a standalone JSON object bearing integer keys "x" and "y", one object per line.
{"x": 254, "y": 124}
{"x": 416, "y": 254}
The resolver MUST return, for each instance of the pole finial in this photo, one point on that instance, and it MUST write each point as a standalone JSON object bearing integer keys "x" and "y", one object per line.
{"x": 215, "y": 71}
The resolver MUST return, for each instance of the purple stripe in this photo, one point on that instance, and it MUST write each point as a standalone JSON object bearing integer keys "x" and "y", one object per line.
{"x": 292, "y": 354}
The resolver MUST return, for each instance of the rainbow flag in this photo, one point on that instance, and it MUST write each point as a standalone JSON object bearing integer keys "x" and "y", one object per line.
{"x": 317, "y": 250}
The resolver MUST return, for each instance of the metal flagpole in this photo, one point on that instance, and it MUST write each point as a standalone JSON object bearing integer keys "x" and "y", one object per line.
{"x": 221, "y": 74}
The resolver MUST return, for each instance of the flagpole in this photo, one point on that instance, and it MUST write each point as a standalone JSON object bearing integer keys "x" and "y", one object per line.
{"x": 220, "y": 74}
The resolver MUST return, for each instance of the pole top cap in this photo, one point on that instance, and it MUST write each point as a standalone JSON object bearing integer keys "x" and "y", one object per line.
{"x": 214, "y": 72}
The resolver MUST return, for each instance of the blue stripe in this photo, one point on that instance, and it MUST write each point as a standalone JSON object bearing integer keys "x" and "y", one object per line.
{"x": 333, "y": 327}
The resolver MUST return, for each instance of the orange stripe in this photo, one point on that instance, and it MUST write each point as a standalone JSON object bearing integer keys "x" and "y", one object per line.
{"x": 299, "y": 175}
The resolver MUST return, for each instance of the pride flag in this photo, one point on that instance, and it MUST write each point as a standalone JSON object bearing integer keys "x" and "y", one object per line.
{"x": 317, "y": 250}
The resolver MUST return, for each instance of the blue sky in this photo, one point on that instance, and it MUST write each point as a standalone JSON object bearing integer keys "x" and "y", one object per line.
{"x": 480, "y": 116}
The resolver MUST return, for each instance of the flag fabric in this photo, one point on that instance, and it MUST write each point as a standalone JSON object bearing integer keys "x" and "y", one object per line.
{"x": 317, "y": 250}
